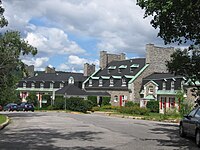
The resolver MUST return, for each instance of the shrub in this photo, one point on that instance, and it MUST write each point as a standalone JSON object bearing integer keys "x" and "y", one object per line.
{"x": 59, "y": 103}
{"x": 153, "y": 106}
{"x": 93, "y": 99}
{"x": 131, "y": 104}
{"x": 95, "y": 108}
{"x": 135, "y": 110}
{"x": 106, "y": 101}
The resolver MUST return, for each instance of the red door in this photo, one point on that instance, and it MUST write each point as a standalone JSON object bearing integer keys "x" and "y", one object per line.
{"x": 120, "y": 100}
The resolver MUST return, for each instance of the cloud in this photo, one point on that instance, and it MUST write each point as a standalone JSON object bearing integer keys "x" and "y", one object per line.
{"x": 75, "y": 63}
{"x": 52, "y": 41}
{"x": 37, "y": 62}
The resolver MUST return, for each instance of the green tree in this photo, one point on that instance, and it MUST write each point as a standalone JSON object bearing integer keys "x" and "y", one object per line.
{"x": 178, "y": 21}
{"x": 32, "y": 98}
{"x": 12, "y": 69}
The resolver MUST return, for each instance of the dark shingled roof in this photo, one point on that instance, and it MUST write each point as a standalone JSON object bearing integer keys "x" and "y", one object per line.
{"x": 125, "y": 71}
{"x": 58, "y": 76}
{"x": 71, "y": 90}
{"x": 158, "y": 76}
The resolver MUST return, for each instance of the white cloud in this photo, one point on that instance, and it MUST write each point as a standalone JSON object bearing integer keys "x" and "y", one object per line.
{"x": 37, "y": 62}
{"x": 52, "y": 41}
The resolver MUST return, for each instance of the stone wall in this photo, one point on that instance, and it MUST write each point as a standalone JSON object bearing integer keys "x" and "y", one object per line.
{"x": 157, "y": 57}
{"x": 106, "y": 58}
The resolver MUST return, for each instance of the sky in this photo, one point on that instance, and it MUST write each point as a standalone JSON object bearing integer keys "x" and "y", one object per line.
{"x": 69, "y": 33}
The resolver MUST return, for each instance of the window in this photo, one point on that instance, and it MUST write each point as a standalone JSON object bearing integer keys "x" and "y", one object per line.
{"x": 100, "y": 82}
{"x": 172, "y": 85}
{"x": 164, "y": 85}
{"x": 51, "y": 85}
{"x": 61, "y": 85}
{"x": 90, "y": 82}
{"x": 111, "y": 82}
{"x": 163, "y": 103}
{"x": 71, "y": 80}
{"x": 150, "y": 89}
{"x": 172, "y": 102}
{"x": 115, "y": 98}
{"x": 182, "y": 84}
{"x": 119, "y": 70}
{"x": 123, "y": 82}
{"x": 32, "y": 85}
{"x": 41, "y": 85}
{"x": 24, "y": 85}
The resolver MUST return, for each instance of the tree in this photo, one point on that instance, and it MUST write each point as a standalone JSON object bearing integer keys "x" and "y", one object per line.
{"x": 12, "y": 68}
{"x": 178, "y": 21}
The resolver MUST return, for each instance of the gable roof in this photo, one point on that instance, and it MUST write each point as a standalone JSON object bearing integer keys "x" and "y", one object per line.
{"x": 58, "y": 76}
{"x": 71, "y": 90}
{"x": 125, "y": 70}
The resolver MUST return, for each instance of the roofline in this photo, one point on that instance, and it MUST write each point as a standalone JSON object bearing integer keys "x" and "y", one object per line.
{"x": 83, "y": 84}
{"x": 135, "y": 77}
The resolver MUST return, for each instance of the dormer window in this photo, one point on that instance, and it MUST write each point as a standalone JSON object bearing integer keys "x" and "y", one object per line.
{"x": 71, "y": 80}
{"x": 121, "y": 67}
{"x": 90, "y": 82}
{"x": 24, "y": 85}
{"x": 111, "y": 82}
{"x": 150, "y": 89}
{"x": 133, "y": 66}
{"x": 111, "y": 68}
{"x": 51, "y": 85}
{"x": 61, "y": 85}
{"x": 100, "y": 82}
{"x": 164, "y": 85}
{"x": 32, "y": 85}
{"x": 123, "y": 82}
{"x": 172, "y": 85}
{"x": 42, "y": 85}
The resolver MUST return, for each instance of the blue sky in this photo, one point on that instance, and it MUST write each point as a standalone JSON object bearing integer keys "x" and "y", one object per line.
{"x": 70, "y": 33}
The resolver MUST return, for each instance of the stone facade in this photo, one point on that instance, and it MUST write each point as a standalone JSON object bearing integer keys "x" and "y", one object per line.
{"x": 50, "y": 70}
{"x": 157, "y": 57}
{"x": 106, "y": 58}
{"x": 88, "y": 69}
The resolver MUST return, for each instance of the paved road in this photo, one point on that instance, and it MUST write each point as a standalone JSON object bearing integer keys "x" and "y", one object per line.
{"x": 64, "y": 131}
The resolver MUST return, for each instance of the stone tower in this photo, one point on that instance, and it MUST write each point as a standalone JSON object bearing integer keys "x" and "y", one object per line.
{"x": 106, "y": 58}
{"x": 50, "y": 70}
{"x": 88, "y": 69}
{"x": 157, "y": 57}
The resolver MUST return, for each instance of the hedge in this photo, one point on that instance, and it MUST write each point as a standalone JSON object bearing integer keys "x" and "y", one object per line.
{"x": 153, "y": 106}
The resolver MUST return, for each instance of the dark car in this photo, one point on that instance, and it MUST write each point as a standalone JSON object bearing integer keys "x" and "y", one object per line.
{"x": 1, "y": 108}
{"x": 10, "y": 107}
{"x": 190, "y": 125}
{"x": 26, "y": 107}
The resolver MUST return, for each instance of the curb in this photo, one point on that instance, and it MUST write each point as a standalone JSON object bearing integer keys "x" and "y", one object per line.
{"x": 5, "y": 123}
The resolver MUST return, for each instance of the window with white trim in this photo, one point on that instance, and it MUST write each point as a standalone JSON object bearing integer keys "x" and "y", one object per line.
{"x": 61, "y": 85}
{"x": 41, "y": 85}
{"x": 172, "y": 85}
{"x": 51, "y": 85}
{"x": 71, "y": 80}
{"x": 100, "y": 82}
{"x": 32, "y": 85}
{"x": 24, "y": 85}
{"x": 90, "y": 82}
{"x": 164, "y": 85}
{"x": 115, "y": 98}
{"x": 111, "y": 82}
{"x": 123, "y": 82}
{"x": 150, "y": 90}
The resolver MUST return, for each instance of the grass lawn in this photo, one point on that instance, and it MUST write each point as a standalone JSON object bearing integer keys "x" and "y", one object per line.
{"x": 2, "y": 119}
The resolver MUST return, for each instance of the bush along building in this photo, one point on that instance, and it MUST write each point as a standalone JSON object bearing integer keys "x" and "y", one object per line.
{"x": 162, "y": 87}
{"x": 122, "y": 79}
{"x": 48, "y": 82}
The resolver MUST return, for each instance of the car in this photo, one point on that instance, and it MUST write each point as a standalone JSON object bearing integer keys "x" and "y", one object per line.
{"x": 190, "y": 125}
{"x": 25, "y": 107}
{"x": 10, "y": 107}
{"x": 1, "y": 108}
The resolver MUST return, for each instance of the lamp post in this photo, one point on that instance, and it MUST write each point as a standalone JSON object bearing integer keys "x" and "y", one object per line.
{"x": 65, "y": 100}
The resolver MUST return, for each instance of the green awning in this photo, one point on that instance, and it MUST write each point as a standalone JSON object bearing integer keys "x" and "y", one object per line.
{"x": 112, "y": 67}
{"x": 134, "y": 65}
{"x": 150, "y": 97}
{"x": 166, "y": 92}
{"x": 123, "y": 67}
